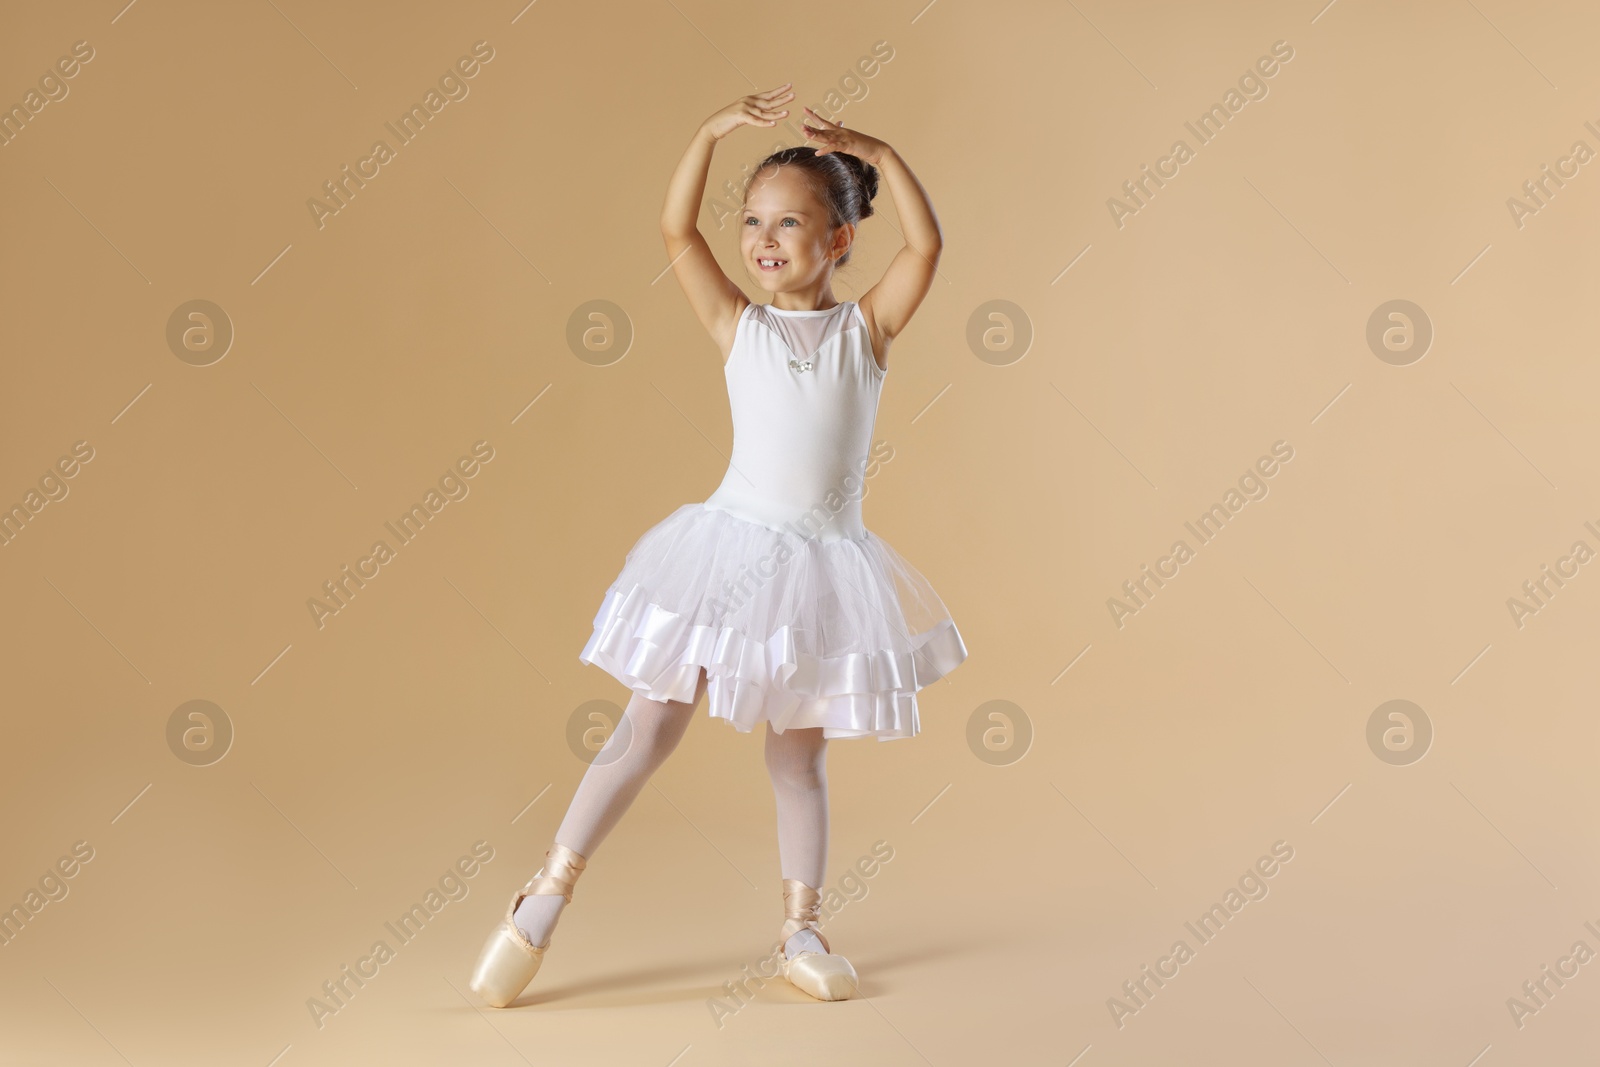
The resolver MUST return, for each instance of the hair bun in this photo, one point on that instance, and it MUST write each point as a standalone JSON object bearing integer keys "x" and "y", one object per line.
{"x": 866, "y": 176}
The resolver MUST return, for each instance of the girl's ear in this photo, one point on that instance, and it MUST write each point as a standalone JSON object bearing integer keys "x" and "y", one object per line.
{"x": 843, "y": 237}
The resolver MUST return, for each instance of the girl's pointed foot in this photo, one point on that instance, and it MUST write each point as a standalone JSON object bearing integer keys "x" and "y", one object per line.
{"x": 509, "y": 960}
{"x": 823, "y": 975}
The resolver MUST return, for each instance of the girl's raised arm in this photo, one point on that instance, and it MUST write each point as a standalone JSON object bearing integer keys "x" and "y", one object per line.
{"x": 891, "y": 303}
{"x": 716, "y": 300}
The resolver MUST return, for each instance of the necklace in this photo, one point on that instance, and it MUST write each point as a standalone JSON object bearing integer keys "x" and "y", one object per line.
{"x": 801, "y": 366}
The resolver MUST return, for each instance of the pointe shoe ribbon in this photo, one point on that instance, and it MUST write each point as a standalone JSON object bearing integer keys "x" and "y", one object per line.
{"x": 509, "y": 961}
{"x": 820, "y": 974}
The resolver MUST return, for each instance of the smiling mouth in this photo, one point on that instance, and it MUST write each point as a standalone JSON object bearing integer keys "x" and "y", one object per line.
{"x": 771, "y": 264}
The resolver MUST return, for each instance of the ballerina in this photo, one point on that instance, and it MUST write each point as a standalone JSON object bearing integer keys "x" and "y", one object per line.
{"x": 771, "y": 594}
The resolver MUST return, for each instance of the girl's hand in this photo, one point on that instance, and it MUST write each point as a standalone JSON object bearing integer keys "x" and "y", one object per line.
{"x": 835, "y": 138}
{"x": 758, "y": 109}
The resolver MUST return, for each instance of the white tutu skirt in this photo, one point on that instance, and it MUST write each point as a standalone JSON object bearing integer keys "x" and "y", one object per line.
{"x": 796, "y": 631}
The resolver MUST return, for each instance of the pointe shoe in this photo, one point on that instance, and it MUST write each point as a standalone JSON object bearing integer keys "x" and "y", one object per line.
{"x": 820, "y": 974}
{"x": 509, "y": 960}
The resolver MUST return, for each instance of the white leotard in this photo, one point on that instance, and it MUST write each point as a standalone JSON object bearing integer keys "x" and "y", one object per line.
{"x": 803, "y": 388}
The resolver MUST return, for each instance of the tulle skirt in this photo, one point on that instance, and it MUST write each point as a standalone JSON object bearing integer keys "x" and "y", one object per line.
{"x": 797, "y": 631}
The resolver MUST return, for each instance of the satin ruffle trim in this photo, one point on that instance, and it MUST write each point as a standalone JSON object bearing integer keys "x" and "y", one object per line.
{"x": 656, "y": 652}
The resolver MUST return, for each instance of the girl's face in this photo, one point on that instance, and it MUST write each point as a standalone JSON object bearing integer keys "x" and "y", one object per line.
{"x": 785, "y": 234}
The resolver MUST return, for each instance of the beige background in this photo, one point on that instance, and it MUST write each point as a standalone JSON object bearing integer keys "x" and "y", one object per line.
{"x": 1230, "y": 713}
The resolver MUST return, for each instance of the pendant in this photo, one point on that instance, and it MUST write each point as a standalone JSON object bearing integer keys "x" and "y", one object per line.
{"x": 796, "y": 365}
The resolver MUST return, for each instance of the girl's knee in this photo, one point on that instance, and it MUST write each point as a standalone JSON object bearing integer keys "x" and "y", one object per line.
{"x": 796, "y": 758}
{"x": 655, "y": 726}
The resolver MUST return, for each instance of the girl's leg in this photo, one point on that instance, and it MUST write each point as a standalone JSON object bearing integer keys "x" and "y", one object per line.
{"x": 620, "y": 770}
{"x": 797, "y": 765}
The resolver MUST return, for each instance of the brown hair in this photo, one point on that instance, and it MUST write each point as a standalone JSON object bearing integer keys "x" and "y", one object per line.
{"x": 845, "y": 183}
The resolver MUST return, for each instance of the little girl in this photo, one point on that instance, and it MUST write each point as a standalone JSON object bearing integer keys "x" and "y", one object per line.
{"x": 771, "y": 594}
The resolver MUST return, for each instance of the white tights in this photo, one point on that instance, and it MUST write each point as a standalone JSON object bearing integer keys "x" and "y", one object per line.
{"x": 796, "y": 762}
